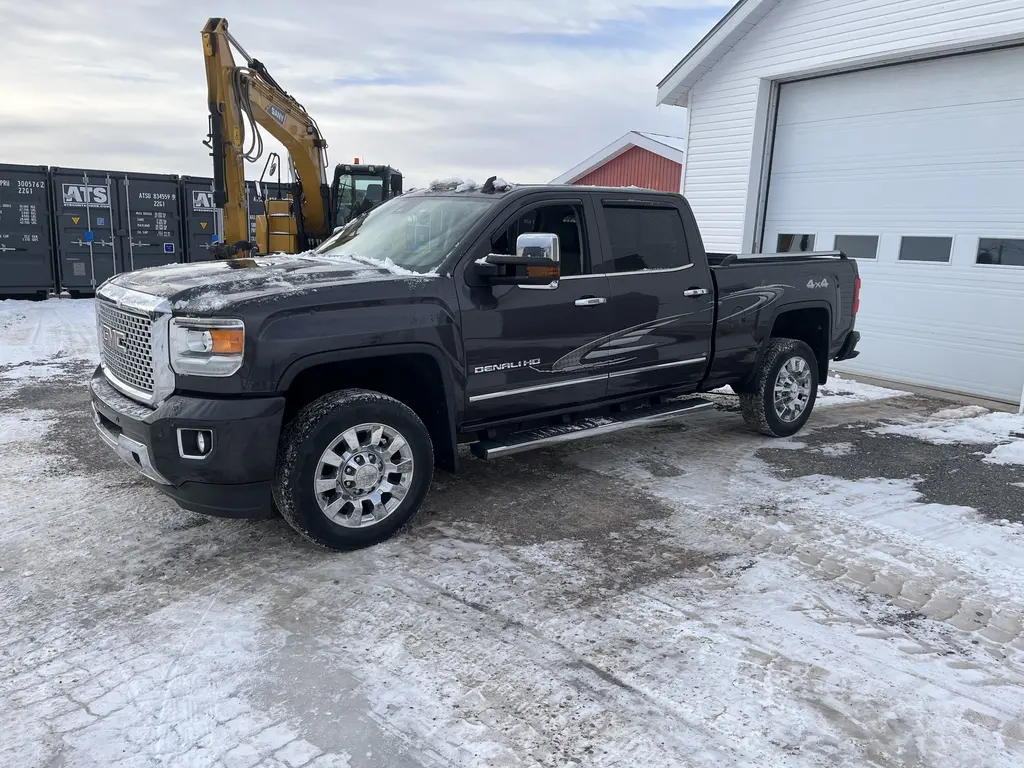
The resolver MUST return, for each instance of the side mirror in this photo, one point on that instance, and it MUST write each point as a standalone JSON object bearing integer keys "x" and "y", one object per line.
{"x": 536, "y": 262}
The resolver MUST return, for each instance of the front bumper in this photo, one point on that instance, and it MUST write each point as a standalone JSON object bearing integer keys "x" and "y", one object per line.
{"x": 233, "y": 480}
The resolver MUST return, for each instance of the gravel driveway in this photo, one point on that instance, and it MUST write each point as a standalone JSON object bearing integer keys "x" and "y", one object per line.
{"x": 682, "y": 595}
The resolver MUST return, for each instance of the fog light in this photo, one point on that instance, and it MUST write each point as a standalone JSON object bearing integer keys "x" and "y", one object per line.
{"x": 195, "y": 443}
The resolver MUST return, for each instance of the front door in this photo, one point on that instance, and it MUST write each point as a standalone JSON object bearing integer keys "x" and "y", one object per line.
{"x": 523, "y": 343}
{"x": 661, "y": 301}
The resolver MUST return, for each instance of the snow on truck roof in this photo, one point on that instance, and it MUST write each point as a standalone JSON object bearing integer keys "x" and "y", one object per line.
{"x": 500, "y": 187}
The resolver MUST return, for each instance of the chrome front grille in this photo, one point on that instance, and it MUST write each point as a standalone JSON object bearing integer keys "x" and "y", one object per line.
{"x": 126, "y": 346}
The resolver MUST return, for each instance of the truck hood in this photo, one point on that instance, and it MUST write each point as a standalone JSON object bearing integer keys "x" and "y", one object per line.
{"x": 211, "y": 286}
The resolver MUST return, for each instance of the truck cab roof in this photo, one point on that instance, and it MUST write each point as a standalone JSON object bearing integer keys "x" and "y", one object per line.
{"x": 457, "y": 188}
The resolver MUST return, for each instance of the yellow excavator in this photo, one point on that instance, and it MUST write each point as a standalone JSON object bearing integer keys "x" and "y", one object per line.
{"x": 312, "y": 209}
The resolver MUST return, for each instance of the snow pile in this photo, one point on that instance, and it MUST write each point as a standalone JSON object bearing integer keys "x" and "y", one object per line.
{"x": 840, "y": 391}
{"x": 452, "y": 183}
{"x": 36, "y": 331}
{"x": 972, "y": 425}
{"x": 456, "y": 184}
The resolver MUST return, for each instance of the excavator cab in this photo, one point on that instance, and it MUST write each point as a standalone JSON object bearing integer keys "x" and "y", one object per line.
{"x": 358, "y": 188}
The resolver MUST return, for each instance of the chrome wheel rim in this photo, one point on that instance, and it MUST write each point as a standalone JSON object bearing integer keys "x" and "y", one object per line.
{"x": 792, "y": 389}
{"x": 364, "y": 475}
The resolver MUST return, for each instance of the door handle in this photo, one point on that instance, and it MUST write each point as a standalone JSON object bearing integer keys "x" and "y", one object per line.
{"x": 590, "y": 301}
{"x": 695, "y": 292}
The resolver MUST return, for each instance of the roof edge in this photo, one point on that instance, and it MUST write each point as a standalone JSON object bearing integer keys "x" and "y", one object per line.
{"x": 621, "y": 145}
{"x": 675, "y": 87}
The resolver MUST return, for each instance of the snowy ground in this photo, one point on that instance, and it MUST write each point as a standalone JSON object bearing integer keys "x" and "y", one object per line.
{"x": 684, "y": 595}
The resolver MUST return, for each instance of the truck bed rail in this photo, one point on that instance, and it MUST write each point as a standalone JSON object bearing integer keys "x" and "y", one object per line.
{"x": 732, "y": 259}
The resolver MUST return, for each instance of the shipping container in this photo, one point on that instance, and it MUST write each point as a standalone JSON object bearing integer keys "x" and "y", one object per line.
{"x": 108, "y": 222}
{"x": 152, "y": 221}
{"x": 26, "y": 238}
{"x": 198, "y": 211}
{"x": 87, "y": 222}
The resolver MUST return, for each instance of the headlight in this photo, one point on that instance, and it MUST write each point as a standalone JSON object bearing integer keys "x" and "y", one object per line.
{"x": 206, "y": 346}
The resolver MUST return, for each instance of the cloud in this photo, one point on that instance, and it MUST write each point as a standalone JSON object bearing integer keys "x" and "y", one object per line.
{"x": 520, "y": 88}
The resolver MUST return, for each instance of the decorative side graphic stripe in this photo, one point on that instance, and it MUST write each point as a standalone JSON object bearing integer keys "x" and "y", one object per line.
{"x": 584, "y": 380}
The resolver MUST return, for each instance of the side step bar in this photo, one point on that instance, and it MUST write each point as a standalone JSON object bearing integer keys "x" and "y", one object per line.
{"x": 527, "y": 440}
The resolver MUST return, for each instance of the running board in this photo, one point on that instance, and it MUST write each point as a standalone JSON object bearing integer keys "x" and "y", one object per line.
{"x": 527, "y": 440}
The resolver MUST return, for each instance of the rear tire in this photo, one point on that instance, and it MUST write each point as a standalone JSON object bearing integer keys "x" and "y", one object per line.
{"x": 784, "y": 389}
{"x": 352, "y": 468}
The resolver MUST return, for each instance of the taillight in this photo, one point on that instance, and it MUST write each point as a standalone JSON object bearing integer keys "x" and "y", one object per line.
{"x": 856, "y": 295}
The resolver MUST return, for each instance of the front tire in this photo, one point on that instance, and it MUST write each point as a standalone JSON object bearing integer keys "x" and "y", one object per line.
{"x": 353, "y": 467}
{"x": 784, "y": 390}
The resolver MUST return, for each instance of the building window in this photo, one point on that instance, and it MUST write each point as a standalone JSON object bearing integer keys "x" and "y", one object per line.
{"x": 857, "y": 246}
{"x": 997, "y": 250}
{"x": 926, "y": 249}
{"x": 645, "y": 239}
{"x": 794, "y": 243}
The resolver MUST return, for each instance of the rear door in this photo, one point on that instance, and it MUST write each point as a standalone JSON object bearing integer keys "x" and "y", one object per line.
{"x": 523, "y": 343}
{"x": 661, "y": 295}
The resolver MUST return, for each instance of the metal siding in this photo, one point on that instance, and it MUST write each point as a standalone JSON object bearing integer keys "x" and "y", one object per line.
{"x": 885, "y": 152}
{"x": 636, "y": 167}
{"x": 803, "y": 36}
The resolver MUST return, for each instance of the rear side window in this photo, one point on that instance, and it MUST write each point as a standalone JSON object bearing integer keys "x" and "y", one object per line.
{"x": 644, "y": 239}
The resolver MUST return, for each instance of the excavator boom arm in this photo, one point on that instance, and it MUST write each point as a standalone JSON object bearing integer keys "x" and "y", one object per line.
{"x": 235, "y": 92}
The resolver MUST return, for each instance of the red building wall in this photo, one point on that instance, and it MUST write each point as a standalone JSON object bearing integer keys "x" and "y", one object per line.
{"x": 637, "y": 167}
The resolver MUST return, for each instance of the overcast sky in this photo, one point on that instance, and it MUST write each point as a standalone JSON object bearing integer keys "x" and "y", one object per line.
{"x": 520, "y": 88}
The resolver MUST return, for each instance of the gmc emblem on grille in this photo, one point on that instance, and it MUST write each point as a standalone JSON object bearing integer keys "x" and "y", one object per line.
{"x": 113, "y": 339}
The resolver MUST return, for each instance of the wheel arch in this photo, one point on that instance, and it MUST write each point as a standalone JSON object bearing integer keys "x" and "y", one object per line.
{"x": 809, "y": 322}
{"x": 415, "y": 374}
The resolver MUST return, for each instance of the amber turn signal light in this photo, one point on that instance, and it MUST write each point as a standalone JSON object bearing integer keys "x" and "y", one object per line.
{"x": 227, "y": 341}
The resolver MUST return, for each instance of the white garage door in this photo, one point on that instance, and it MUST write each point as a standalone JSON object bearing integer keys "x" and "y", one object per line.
{"x": 918, "y": 170}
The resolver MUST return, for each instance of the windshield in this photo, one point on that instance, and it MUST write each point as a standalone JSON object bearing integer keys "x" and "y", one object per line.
{"x": 357, "y": 194}
{"x": 415, "y": 233}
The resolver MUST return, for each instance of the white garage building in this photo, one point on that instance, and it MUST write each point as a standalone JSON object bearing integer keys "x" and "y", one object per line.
{"x": 894, "y": 130}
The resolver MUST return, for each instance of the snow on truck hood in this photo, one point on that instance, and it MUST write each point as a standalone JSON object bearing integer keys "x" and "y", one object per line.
{"x": 210, "y": 286}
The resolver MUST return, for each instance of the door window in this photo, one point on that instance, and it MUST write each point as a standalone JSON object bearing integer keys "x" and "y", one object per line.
{"x": 562, "y": 219}
{"x": 644, "y": 239}
{"x": 925, "y": 248}
{"x": 794, "y": 244}
{"x": 993, "y": 250}
{"x": 857, "y": 246}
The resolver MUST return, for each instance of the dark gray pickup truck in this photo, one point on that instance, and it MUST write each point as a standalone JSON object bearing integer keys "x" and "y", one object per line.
{"x": 328, "y": 385}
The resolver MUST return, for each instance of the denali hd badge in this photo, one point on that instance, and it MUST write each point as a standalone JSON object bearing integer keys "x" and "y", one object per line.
{"x": 506, "y": 366}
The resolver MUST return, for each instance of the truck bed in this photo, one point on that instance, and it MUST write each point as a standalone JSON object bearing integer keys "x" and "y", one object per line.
{"x": 753, "y": 289}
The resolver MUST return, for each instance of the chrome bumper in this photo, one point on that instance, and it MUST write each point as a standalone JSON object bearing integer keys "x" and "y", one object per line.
{"x": 131, "y": 452}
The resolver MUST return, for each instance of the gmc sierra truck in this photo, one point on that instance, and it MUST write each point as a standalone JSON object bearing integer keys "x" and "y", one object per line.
{"x": 328, "y": 385}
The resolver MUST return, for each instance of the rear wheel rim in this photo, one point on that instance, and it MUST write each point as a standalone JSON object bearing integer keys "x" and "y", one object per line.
{"x": 364, "y": 475}
{"x": 792, "y": 392}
